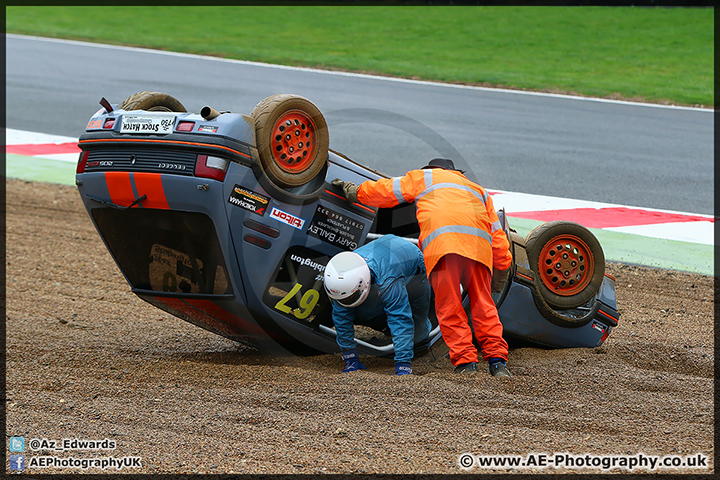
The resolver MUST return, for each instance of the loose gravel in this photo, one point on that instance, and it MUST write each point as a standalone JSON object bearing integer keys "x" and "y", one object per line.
{"x": 87, "y": 359}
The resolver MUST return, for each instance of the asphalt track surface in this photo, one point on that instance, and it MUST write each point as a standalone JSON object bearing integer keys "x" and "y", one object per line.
{"x": 631, "y": 154}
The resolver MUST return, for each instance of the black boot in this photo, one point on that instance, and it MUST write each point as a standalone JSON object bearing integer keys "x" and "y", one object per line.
{"x": 498, "y": 369}
{"x": 466, "y": 368}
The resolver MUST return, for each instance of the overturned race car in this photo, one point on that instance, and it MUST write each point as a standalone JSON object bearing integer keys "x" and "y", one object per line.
{"x": 227, "y": 221}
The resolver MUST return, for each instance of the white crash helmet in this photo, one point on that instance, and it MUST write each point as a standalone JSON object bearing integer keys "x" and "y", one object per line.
{"x": 347, "y": 279}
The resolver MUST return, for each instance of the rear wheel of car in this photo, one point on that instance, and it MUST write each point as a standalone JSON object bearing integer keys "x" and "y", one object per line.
{"x": 153, "y": 102}
{"x": 568, "y": 261}
{"x": 292, "y": 139}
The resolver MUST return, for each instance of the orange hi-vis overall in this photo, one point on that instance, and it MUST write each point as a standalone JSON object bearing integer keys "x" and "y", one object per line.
{"x": 456, "y": 216}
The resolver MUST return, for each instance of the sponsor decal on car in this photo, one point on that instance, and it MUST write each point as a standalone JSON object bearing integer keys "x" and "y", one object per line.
{"x": 171, "y": 166}
{"x": 160, "y": 123}
{"x": 94, "y": 124}
{"x": 599, "y": 327}
{"x": 103, "y": 163}
{"x": 287, "y": 218}
{"x": 249, "y": 200}
{"x": 307, "y": 262}
{"x": 335, "y": 228}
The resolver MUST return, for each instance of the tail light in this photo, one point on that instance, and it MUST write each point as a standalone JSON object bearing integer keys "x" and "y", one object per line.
{"x": 211, "y": 167}
{"x": 109, "y": 124}
{"x": 82, "y": 162}
{"x": 185, "y": 126}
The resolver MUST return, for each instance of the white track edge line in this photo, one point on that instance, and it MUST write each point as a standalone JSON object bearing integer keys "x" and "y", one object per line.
{"x": 361, "y": 75}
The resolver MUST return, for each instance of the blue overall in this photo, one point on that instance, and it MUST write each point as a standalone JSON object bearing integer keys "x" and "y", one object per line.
{"x": 399, "y": 293}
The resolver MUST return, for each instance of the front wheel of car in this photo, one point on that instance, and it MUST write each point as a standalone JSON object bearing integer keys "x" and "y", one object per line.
{"x": 292, "y": 139}
{"x": 153, "y": 102}
{"x": 568, "y": 261}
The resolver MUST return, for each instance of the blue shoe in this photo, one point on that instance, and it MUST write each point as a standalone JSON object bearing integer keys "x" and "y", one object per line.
{"x": 403, "y": 368}
{"x": 352, "y": 361}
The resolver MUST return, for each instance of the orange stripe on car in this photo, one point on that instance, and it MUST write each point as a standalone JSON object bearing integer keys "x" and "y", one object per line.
{"x": 530, "y": 279}
{"x": 150, "y": 184}
{"x": 343, "y": 198}
{"x": 120, "y": 188}
{"x": 174, "y": 142}
{"x": 605, "y": 335}
{"x": 608, "y": 316}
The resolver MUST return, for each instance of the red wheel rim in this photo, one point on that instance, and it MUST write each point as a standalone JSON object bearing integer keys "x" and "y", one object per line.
{"x": 566, "y": 265}
{"x": 293, "y": 141}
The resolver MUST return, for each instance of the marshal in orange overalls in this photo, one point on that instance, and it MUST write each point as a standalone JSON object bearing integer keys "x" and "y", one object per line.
{"x": 462, "y": 241}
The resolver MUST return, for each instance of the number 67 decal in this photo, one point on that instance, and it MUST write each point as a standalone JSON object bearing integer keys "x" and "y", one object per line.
{"x": 306, "y": 304}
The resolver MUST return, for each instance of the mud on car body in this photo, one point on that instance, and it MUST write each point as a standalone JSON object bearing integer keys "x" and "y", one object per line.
{"x": 227, "y": 221}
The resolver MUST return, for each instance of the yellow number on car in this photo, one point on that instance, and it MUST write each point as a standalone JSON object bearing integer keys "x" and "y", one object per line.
{"x": 281, "y": 304}
{"x": 306, "y": 303}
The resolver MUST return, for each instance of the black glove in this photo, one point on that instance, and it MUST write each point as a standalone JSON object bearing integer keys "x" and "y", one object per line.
{"x": 349, "y": 189}
{"x": 498, "y": 279}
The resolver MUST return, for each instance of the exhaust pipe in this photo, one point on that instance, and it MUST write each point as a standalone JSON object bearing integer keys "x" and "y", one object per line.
{"x": 208, "y": 113}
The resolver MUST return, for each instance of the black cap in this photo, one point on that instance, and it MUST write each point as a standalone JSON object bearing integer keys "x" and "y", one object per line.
{"x": 444, "y": 163}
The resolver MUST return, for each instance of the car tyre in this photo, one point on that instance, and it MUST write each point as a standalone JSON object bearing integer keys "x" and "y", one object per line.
{"x": 568, "y": 262}
{"x": 292, "y": 139}
{"x": 153, "y": 102}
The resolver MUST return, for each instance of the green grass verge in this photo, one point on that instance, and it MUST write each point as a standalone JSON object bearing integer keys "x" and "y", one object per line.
{"x": 663, "y": 55}
{"x": 36, "y": 169}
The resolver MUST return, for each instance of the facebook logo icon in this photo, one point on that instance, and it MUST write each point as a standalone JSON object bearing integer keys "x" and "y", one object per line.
{"x": 17, "y": 462}
{"x": 17, "y": 444}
